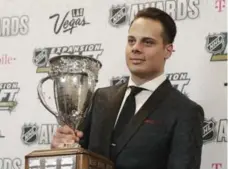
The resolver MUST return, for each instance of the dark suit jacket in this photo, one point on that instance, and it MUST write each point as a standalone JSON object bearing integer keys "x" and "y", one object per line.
{"x": 166, "y": 133}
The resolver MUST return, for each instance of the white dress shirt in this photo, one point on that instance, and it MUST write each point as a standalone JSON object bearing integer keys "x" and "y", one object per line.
{"x": 141, "y": 97}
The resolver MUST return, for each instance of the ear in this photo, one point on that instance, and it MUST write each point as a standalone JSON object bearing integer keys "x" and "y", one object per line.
{"x": 168, "y": 50}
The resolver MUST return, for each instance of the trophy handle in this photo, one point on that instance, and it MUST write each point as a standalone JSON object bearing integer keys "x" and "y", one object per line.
{"x": 41, "y": 96}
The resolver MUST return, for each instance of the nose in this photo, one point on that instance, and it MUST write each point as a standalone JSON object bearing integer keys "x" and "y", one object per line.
{"x": 137, "y": 47}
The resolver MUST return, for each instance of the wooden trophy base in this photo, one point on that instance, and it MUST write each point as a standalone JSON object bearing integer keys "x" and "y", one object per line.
{"x": 66, "y": 158}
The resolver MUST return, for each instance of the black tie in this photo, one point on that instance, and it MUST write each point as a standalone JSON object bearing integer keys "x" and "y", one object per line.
{"x": 127, "y": 112}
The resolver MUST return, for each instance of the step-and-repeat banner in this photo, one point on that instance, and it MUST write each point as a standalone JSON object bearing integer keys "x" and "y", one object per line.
{"x": 31, "y": 32}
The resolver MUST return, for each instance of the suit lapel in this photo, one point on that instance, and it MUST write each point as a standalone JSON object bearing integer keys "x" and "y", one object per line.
{"x": 150, "y": 105}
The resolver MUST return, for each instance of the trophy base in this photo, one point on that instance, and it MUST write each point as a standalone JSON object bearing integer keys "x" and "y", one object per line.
{"x": 74, "y": 145}
{"x": 66, "y": 158}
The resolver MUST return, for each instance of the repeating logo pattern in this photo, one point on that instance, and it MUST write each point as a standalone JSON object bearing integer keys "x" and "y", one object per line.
{"x": 118, "y": 15}
{"x": 6, "y": 59}
{"x": 42, "y": 55}
{"x": 216, "y": 166}
{"x": 38, "y": 134}
{"x": 10, "y": 163}
{"x": 215, "y": 131}
{"x": 179, "y": 80}
{"x": 14, "y": 26}
{"x": 220, "y": 5}
{"x": 29, "y": 133}
{"x": 8, "y": 93}
{"x": 216, "y": 44}
{"x": 71, "y": 20}
{"x": 121, "y": 14}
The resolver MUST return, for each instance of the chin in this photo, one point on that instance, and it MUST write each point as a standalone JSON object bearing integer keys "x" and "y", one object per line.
{"x": 137, "y": 72}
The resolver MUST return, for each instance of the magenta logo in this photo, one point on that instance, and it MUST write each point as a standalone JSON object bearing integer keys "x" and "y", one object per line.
{"x": 216, "y": 166}
{"x": 6, "y": 59}
{"x": 220, "y": 5}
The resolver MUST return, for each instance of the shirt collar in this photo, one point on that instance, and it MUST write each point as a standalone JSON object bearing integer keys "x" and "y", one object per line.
{"x": 151, "y": 85}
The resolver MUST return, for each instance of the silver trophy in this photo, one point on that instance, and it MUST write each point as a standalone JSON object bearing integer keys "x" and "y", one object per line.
{"x": 74, "y": 80}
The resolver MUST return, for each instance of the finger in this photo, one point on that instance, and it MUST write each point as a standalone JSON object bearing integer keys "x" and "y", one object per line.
{"x": 63, "y": 142}
{"x": 65, "y": 130}
{"x": 70, "y": 139}
{"x": 77, "y": 139}
{"x": 59, "y": 135}
{"x": 56, "y": 143}
{"x": 79, "y": 133}
{"x": 65, "y": 136}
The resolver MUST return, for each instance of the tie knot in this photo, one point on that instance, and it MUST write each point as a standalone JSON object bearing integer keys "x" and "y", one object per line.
{"x": 135, "y": 90}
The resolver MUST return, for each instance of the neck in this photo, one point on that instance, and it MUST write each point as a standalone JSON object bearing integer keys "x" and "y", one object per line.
{"x": 139, "y": 80}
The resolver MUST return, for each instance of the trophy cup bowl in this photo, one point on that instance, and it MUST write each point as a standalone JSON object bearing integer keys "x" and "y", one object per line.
{"x": 74, "y": 79}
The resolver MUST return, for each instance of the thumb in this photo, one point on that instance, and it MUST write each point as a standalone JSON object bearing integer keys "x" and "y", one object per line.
{"x": 78, "y": 133}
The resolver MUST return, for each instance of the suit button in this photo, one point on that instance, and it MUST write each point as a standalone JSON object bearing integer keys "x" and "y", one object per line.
{"x": 113, "y": 145}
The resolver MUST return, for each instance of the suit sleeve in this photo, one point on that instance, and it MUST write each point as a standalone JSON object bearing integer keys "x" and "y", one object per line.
{"x": 187, "y": 141}
{"x": 86, "y": 125}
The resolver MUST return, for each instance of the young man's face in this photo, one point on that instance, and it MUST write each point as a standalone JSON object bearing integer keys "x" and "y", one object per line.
{"x": 145, "y": 50}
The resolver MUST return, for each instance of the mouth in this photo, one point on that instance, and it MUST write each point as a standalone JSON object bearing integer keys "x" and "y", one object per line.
{"x": 137, "y": 60}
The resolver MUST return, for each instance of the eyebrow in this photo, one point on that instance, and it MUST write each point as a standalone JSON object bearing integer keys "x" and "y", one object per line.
{"x": 143, "y": 38}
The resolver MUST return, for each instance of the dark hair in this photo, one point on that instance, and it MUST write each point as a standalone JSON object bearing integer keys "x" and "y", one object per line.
{"x": 168, "y": 24}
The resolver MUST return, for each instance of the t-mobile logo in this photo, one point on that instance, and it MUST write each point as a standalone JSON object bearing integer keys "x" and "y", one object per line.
{"x": 220, "y": 5}
{"x": 216, "y": 166}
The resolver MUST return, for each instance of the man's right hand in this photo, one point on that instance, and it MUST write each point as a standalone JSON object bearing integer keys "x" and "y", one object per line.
{"x": 65, "y": 135}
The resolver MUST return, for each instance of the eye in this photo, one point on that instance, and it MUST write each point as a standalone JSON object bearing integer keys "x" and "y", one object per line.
{"x": 149, "y": 42}
{"x": 131, "y": 41}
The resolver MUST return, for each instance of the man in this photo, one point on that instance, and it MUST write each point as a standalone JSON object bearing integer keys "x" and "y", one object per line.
{"x": 164, "y": 129}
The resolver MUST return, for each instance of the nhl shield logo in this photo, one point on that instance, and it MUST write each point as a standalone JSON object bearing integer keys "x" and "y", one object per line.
{"x": 216, "y": 45}
{"x": 118, "y": 15}
{"x": 29, "y": 133}
{"x": 40, "y": 57}
{"x": 209, "y": 132}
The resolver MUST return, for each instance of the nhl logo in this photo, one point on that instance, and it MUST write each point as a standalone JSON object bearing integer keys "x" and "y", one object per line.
{"x": 118, "y": 15}
{"x": 215, "y": 43}
{"x": 40, "y": 57}
{"x": 209, "y": 132}
{"x": 29, "y": 133}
